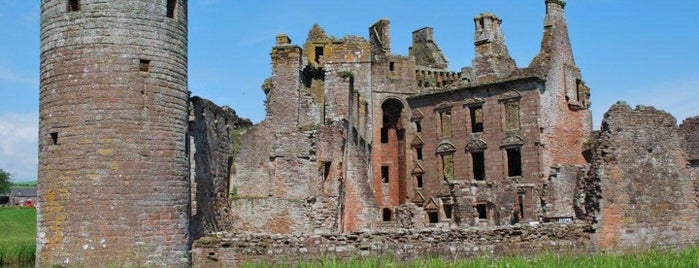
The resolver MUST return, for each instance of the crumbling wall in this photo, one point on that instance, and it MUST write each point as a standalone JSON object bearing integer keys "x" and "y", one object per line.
{"x": 211, "y": 136}
{"x": 689, "y": 129}
{"x": 237, "y": 249}
{"x": 647, "y": 190}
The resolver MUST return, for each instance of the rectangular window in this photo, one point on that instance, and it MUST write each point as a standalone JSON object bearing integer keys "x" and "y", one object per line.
{"x": 478, "y": 159}
{"x": 512, "y": 115}
{"x": 482, "y": 210}
{"x": 514, "y": 162}
{"x": 445, "y": 120}
{"x": 54, "y": 138}
{"x": 448, "y": 167}
{"x": 391, "y": 66}
{"x": 73, "y": 5}
{"x": 448, "y": 208}
{"x": 418, "y": 127}
{"x": 418, "y": 153}
{"x": 384, "y": 174}
{"x": 318, "y": 53}
{"x": 433, "y": 216}
{"x": 418, "y": 178}
{"x": 171, "y": 8}
{"x": 144, "y": 65}
{"x": 476, "y": 119}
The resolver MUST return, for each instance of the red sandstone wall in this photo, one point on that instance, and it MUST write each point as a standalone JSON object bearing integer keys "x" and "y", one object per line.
{"x": 113, "y": 169}
{"x": 648, "y": 199}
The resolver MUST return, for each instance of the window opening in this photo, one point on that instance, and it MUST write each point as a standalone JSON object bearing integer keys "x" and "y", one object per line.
{"x": 419, "y": 181}
{"x": 391, "y": 66}
{"x": 171, "y": 7}
{"x": 433, "y": 216}
{"x": 318, "y": 53}
{"x": 326, "y": 170}
{"x": 512, "y": 115}
{"x": 514, "y": 162}
{"x": 73, "y": 5}
{"x": 478, "y": 159}
{"x": 448, "y": 167}
{"x": 476, "y": 119}
{"x": 54, "y": 138}
{"x": 418, "y": 153}
{"x": 387, "y": 214}
{"x": 418, "y": 127}
{"x": 445, "y": 119}
{"x": 520, "y": 201}
{"x": 144, "y": 65}
{"x": 482, "y": 210}
{"x": 448, "y": 208}
{"x": 384, "y": 174}
{"x": 384, "y": 135}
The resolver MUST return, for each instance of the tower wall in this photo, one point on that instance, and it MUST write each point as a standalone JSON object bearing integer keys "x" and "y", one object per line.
{"x": 113, "y": 166}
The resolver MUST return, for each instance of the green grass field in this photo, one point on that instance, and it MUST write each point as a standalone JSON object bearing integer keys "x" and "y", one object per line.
{"x": 18, "y": 239}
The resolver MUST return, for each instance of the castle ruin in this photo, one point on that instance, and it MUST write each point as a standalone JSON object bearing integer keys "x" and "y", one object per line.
{"x": 361, "y": 152}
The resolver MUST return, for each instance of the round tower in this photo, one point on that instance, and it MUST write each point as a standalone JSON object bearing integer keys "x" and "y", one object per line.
{"x": 113, "y": 167}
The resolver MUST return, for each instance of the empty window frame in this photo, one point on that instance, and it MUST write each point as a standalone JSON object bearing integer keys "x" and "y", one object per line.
{"x": 445, "y": 123}
{"x": 54, "y": 138}
{"x": 478, "y": 164}
{"x": 73, "y": 5}
{"x": 448, "y": 167}
{"x": 448, "y": 210}
{"x": 433, "y": 216}
{"x": 418, "y": 127}
{"x": 144, "y": 65}
{"x": 171, "y": 8}
{"x": 482, "y": 210}
{"x": 512, "y": 115}
{"x": 418, "y": 153}
{"x": 387, "y": 214}
{"x": 476, "y": 118}
{"x": 318, "y": 53}
{"x": 419, "y": 181}
{"x": 514, "y": 162}
{"x": 384, "y": 174}
{"x": 391, "y": 66}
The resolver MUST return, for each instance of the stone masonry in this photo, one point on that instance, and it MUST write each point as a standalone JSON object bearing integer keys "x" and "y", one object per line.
{"x": 362, "y": 152}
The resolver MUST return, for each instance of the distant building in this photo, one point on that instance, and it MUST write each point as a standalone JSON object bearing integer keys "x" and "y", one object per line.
{"x": 23, "y": 196}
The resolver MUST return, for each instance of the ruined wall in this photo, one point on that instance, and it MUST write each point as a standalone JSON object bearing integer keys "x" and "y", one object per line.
{"x": 647, "y": 191}
{"x": 497, "y": 134}
{"x": 212, "y": 141}
{"x": 235, "y": 250}
{"x": 113, "y": 170}
{"x": 689, "y": 129}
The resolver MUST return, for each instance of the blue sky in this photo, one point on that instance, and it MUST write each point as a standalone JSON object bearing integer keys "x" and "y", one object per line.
{"x": 642, "y": 51}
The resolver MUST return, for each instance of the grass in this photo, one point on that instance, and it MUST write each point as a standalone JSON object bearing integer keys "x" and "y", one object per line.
{"x": 24, "y": 184}
{"x": 18, "y": 239}
{"x": 651, "y": 258}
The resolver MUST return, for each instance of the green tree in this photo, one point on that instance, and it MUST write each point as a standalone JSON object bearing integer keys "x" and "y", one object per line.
{"x": 5, "y": 181}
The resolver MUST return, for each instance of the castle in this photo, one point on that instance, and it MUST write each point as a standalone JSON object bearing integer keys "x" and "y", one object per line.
{"x": 356, "y": 140}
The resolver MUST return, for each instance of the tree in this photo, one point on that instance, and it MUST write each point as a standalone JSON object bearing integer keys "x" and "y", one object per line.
{"x": 5, "y": 181}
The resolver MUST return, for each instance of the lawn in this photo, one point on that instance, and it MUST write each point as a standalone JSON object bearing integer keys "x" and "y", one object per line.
{"x": 18, "y": 239}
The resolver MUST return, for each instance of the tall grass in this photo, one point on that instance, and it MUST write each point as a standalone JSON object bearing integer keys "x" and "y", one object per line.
{"x": 18, "y": 239}
{"x": 651, "y": 258}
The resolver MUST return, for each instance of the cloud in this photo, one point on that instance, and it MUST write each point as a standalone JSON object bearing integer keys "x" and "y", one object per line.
{"x": 7, "y": 75}
{"x": 19, "y": 145}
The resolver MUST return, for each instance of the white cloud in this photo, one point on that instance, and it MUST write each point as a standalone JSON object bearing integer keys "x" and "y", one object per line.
{"x": 19, "y": 145}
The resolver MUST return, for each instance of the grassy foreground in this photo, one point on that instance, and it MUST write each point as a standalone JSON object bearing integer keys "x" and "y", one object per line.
{"x": 653, "y": 258}
{"x": 18, "y": 239}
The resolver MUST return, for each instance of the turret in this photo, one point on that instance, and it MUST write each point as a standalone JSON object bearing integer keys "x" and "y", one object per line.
{"x": 492, "y": 60}
{"x": 555, "y": 43}
{"x": 113, "y": 166}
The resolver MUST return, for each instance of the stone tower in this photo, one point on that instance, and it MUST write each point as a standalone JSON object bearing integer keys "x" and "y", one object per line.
{"x": 113, "y": 166}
